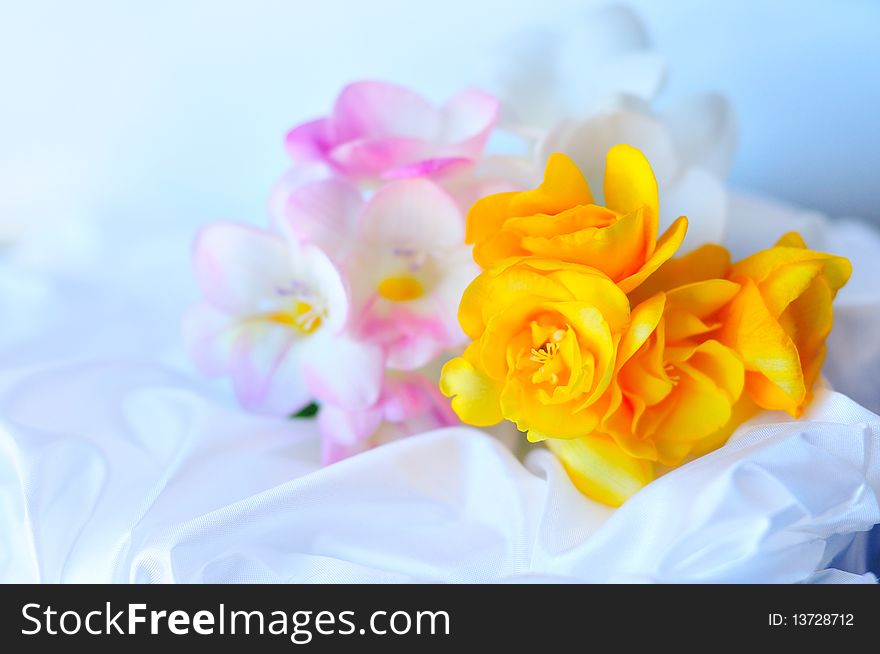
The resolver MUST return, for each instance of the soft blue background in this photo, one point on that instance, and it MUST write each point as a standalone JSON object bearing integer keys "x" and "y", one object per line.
{"x": 175, "y": 110}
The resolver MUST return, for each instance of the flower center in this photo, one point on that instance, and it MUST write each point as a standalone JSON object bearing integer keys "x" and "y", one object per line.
{"x": 545, "y": 353}
{"x": 550, "y": 367}
{"x": 303, "y": 317}
{"x": 401, "y": 288}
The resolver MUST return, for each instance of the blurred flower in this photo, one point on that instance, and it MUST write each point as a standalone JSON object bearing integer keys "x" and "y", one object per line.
{"x": 560, "y": 220}
{"x": 379, "y": 131}
{"x": 404, "y": 255}
{"x": 408, "y": 404}
{"x": 272, "y": 319}
{"x": 563, "y": 70}
{"x": 591, "y": 85}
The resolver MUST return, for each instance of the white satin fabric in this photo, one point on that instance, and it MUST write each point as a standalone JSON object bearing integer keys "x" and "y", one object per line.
{"x": 120, "y": 472}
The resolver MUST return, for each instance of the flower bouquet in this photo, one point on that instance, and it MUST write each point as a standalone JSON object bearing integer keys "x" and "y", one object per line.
{"x": 585, "y": 330}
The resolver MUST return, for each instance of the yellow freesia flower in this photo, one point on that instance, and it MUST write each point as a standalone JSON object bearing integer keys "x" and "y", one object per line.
{"x": 545, "y": 337}
{"x": 557, "y": 350}
{"x": 674, "y": 393}
{"x": 781, "y": 319}
{"x": 561, "y": 221}
{"x": 778, "y": 322}
{"x": 587, "y": 335}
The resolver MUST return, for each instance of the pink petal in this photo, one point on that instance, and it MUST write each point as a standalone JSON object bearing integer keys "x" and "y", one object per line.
{"x": 417, "y": 398}
{"x": 370, "y": 110}
{"x": 429, "y": 168}
{"x": 310, "y": 141}
{"x": 373, "y": 157}
{"x": 344, "y": 433}
{"x": 410, "y": 340}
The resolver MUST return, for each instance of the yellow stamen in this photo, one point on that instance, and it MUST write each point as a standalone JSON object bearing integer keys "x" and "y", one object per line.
{"x": 401, "y": 288}
{"x": 545, "y": 353}
{"x": 303, "y": 318}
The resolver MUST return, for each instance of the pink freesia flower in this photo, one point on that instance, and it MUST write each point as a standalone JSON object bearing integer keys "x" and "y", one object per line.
{"x": 409, "y": 404}
{"x": 405, "y": 259}
{"x": 379, "y": 130}
{"x": 273, "y": 319}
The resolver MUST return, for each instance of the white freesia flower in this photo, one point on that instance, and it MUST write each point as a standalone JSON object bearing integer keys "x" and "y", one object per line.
{"x": 544, "y": 74}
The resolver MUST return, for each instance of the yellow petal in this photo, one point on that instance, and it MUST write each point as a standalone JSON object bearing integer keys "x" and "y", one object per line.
{"x": 475, "y": 396}
{"x": 594, "y": 336}
{"x": 703, "y": 298}
{"x": 539, "y": 420}
{"x": 761, "y": 264}
{"x": 590, "y": 287}
{"x": 495, "y": 248}
{"x": 567, "y": 222}
{"x": 644, "y": 379}
{"x": 470, "y": 310}
{"x": 486, "y": 216}
{"x": 709, "y": 261}
{"x": 774, "y": 378}
{"x": 792, "y": 240}
{"x": 630, "y": 185}
{"x": 808, "y": 320}
{"x": 666, "y": 247}
{"x": 563, "y": 187}
{"x": 700, "y": 408}
{"x": 742, "y": 410}
{"x": 720, "y": 364}
{"x": 600, "y": 469}
{"x": 644, "y": 320}
{"x": 617, "y": 250}
{"x": 787, "y": 283}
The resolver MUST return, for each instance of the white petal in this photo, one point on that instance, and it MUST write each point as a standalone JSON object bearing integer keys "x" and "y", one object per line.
{"x": 627, "y": 121}
{"x": 322, "y": 278}
{"x": 701, "y": 197}
{"x": 638, "y": 74}
{"x": 266, "y": 372}
{"x": 209, "y": 335}
{"x": 704, "y": 129}
{"x": 459, "y": 271}
{"x": 755, "y": 223}
{"x": 240, "y": 268}
{"x": 290, "y": 181}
